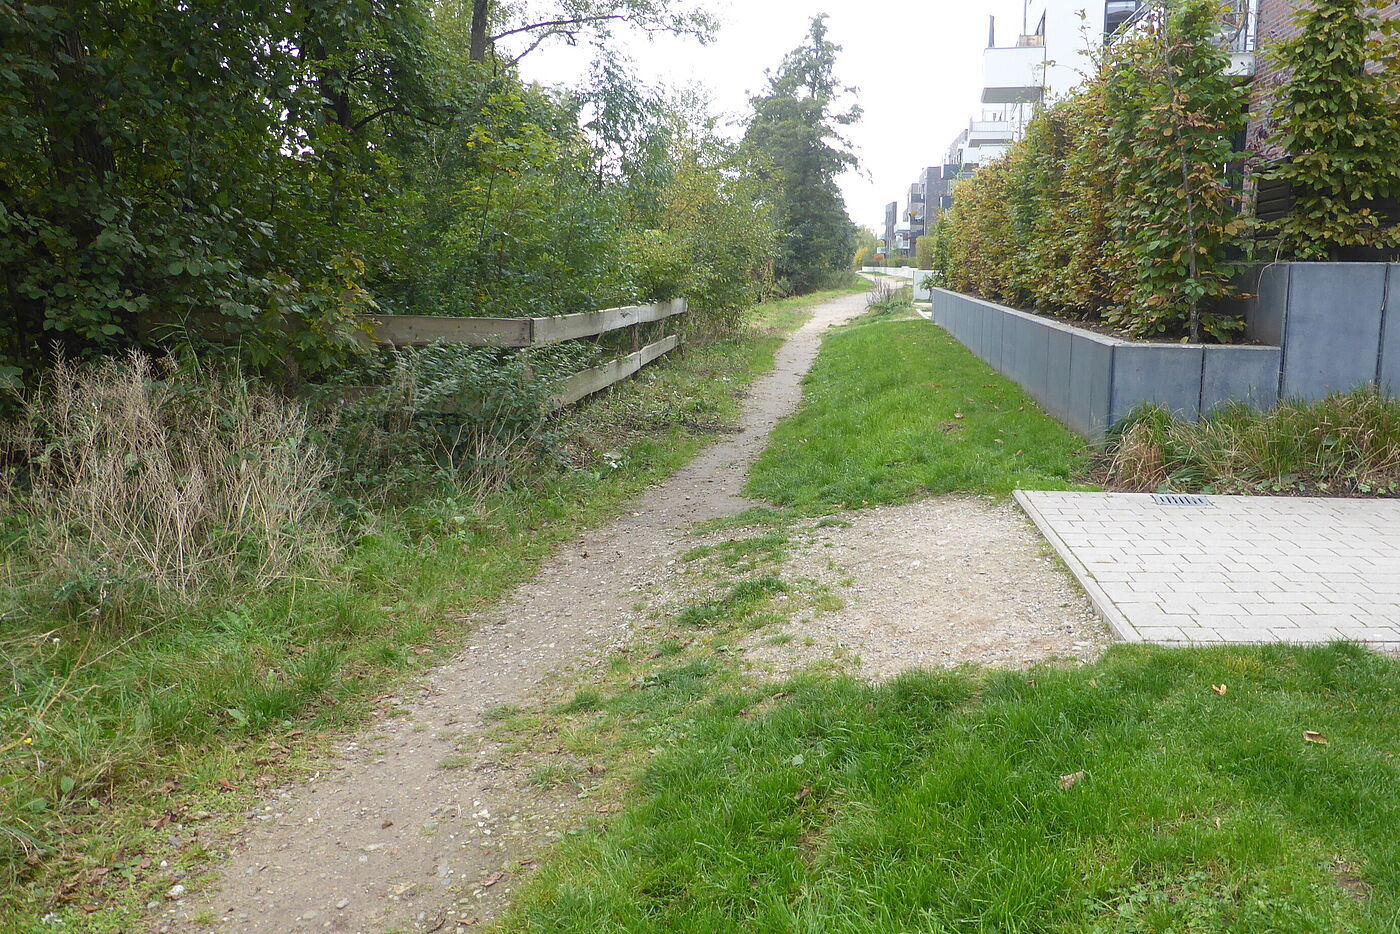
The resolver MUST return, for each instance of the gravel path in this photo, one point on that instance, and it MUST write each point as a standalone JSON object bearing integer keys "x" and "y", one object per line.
{"x": 422, "y": 826}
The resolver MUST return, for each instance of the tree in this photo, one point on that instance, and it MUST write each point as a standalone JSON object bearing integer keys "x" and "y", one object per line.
{"x": 867, "y": 245}
{"x": 795, "y": 130}
{"x": 1174, "y": 114}
{"x": 1340, "y": 125}
{"x": 490, "y": 22}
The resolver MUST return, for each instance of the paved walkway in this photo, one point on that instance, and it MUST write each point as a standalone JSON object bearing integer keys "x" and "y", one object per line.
{"x": 1238, "y": 569}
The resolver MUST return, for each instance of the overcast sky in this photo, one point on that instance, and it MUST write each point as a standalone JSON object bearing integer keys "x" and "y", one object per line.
{"x": 917, "y": 65}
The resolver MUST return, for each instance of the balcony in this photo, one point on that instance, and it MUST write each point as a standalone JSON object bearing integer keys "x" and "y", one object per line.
{"x": 1014, "y": 75}
{"x": 991, "y": 132}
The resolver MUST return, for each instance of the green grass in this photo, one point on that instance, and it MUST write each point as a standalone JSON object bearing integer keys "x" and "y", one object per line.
{"x": 896, "y": 409}
{"x": 937, "y": 803}
{"x": 131, "y": 730}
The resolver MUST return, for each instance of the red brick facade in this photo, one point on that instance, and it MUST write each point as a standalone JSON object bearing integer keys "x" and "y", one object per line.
{"x": 1275, "y": 22}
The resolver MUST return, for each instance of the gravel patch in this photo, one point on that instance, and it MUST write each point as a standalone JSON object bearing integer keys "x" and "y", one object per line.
{"x": 944, "y": 582}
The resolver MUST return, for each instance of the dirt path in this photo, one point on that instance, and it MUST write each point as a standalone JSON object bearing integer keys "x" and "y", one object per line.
{"x": 392, "y": 840}
{"x": 421, "y": 826}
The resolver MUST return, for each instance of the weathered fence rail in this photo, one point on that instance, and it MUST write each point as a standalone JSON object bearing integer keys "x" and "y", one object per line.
{"x": 519, "y": 333}
{"x": 422, "y": 330}
{"x": 505, "y": 333}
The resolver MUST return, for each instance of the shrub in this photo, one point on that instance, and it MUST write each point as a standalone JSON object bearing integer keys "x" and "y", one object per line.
{"x": 1340, "y": 124}
{"x": 122, "y": 482}
{"x": 1117, "y": 202}
{"x": 468, "y": 416}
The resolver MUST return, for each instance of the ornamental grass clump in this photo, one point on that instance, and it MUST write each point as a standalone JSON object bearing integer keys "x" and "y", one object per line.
{"x": 124, "y": 484}
{"x": 1344, "y": 445}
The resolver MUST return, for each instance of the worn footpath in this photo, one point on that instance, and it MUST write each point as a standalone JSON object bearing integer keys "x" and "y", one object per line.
{"x": 422, "y": 824}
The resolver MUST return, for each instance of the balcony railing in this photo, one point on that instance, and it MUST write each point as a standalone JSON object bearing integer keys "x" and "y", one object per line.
{"x": 1238, "y": 24}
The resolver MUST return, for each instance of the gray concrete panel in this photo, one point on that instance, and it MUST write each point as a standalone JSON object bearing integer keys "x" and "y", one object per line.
{"x": 1240, "y": 374}
{"x": 1332, "y": 329}
{"x": 1018, "y": 333}
{"x": 984, "y": 331}
{"x": 1389, "y": 367}
{"x": 1264, "y": 315}
{"x": 975, "y": 313}
{"x": 996, "y": 325}
{"x": 1090, "y": 381}
{"x": 1163, "y": 374}
{"x": 1057, "y": 373}
{"x": 1033, "y": 346}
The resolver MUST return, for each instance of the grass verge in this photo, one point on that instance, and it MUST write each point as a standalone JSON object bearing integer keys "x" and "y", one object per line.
{"x": 142, "y": 745}
{"x": 1134, "y": 795}
{"x": 896, "y": 409}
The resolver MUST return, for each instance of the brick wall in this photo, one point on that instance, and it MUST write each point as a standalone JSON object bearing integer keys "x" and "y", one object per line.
{"x": 1275, "y": 22}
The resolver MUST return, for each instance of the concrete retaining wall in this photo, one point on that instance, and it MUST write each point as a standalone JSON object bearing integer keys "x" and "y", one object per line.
{"x": 1320, "y": 328}
{"x": 1338, "y": 324}
{"x": 1091, "y": 381}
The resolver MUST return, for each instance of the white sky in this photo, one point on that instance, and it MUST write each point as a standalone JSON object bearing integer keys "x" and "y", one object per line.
{"x": 916, "y": 63}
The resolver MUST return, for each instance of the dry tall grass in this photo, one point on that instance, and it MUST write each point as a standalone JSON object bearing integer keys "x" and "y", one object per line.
{"x": 1345, "y": 445}
{"x": 123, "y": 476}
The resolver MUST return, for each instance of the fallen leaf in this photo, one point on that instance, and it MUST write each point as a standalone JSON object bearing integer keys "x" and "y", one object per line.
{"x": 491, "y": 880}
{"x": 804, "y": 793}
{"x": 386, "y": 825}
{"x": 957, "y": 415}
{"x": 1094, "y": 683}
{"x": 1220, "y": 689}
{"x": 1072, "y": 779}
{"x": 227, "y": 785}
{"x": 1314, "y": 737}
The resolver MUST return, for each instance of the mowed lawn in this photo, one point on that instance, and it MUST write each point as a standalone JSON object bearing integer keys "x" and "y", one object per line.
{"x": 1156, "y": 791}
{"x": 897, "y": 409}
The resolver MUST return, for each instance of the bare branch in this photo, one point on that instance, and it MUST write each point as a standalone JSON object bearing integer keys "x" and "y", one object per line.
{"x": 557, "y": 23}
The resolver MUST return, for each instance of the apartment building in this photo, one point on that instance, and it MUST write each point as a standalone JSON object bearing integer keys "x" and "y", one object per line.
{"x": 887, "y": 241}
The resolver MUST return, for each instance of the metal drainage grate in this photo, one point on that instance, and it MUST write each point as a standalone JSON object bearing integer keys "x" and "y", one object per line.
{"x": 1179, "y": 499}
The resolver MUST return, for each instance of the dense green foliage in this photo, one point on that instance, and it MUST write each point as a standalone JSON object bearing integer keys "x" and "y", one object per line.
{"x": 795, "y": 131}
{"x": 1117, "y": 203}
{"x": 1344, "y": 445}
{"x": 1122, "y": 797}
{"x": 867, "y": 246}
{"x": 1339, "y": 123}
{"x": 280, "y": 167}
{"x": 1175, "y": 113}
{"x": 897, "y": 409}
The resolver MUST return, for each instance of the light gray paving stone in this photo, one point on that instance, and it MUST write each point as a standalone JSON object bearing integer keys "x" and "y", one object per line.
{"x": 1245, "y": 569}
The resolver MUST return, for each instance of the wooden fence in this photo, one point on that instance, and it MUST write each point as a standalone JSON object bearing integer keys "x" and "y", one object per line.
{"x": 511, "y": 333}
{"x": 425, "y": 330}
